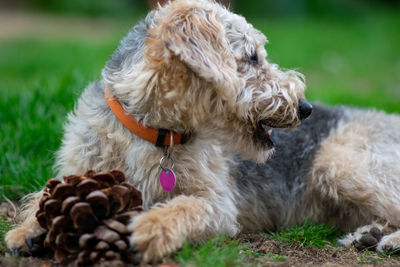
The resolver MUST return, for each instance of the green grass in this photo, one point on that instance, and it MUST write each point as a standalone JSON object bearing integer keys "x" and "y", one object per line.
{"x": 4, "y": 227}
{"x": 39, "y": 82}
{"x": 309, "y": 234}
{"x": 217, "y": 252}
{"x": 227, "y": 252}
{"x": 223, "y": 252}
{"x": 368, "y": 257}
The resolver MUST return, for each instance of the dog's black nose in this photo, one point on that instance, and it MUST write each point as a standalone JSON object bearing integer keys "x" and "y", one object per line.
{"x": 305, "y": 109}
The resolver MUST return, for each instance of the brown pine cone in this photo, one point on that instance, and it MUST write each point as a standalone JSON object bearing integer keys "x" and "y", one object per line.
{"x": 86, "y": 216}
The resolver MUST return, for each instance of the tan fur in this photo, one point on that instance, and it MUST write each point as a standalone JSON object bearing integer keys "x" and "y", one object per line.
{"x": 180, "y": 219}
{"x": 353, "y": 173}
{"x": 345, "y": 170}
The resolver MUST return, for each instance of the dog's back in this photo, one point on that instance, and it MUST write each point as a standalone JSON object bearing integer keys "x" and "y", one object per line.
{"x": 281, "y": 181}
{"x": 311, "y": 162}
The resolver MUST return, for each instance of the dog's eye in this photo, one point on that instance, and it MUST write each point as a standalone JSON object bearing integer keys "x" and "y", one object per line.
{"x": 253, "y": 59}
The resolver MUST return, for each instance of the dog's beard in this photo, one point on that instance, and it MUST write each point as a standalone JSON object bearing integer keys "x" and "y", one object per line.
{"x": 256, "y": 146}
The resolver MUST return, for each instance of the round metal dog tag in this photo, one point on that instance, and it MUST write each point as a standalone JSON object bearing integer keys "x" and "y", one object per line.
{"x": 167, "y": 179}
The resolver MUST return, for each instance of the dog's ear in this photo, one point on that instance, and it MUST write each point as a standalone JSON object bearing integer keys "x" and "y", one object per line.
{"x": 196, "y": 36}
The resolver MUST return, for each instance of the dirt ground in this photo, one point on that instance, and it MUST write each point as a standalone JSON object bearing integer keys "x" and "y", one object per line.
{"x": 282, "y": 254}
{"x": 275, "y": 253}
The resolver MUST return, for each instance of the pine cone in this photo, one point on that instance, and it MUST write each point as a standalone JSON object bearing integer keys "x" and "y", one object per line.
{"x": 86, "y": 216}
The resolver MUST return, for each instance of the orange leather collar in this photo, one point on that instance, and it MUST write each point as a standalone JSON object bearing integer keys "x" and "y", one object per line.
{"x": 159, "y": 137}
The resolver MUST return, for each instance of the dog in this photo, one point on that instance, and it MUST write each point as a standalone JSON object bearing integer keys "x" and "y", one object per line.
{"x": 232, "y": 135}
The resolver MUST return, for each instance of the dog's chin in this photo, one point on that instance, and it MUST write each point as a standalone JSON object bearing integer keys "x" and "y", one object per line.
{"x": 264, "y": 146}
{"x": 260, "y": 146}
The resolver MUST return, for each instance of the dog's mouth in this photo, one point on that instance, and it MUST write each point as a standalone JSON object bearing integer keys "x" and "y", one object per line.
{"x": 262, "y": 135}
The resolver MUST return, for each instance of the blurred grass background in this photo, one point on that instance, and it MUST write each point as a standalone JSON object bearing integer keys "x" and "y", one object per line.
{"x": 51, "y": 49}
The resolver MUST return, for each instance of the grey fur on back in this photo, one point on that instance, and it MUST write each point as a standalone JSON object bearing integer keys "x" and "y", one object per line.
{"x": 281, "y": 180}
{"x": 127, "y": 52}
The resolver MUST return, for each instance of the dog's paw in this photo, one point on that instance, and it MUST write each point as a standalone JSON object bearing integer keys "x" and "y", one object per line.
{"x": 365, "y": 237}
{"x": 374, "y": 237}
{"x": 153, "y": 236}
{"x": 368, "y": 240}
{"x": 24, "y": 237}
{"x": 390, "y": 243}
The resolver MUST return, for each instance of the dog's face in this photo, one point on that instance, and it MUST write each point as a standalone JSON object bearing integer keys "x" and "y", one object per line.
{"x": 203, "y": 68}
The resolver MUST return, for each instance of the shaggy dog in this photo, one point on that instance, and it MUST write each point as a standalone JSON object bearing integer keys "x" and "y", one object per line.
{"x": 194, "y": 67}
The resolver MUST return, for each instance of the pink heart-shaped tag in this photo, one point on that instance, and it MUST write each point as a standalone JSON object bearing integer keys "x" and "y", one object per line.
{"x": 167, "y": 179}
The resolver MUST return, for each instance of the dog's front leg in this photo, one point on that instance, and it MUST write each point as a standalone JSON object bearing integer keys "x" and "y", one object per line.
{"x": 164, "y": 228}
{"x": 21, "y": 236}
